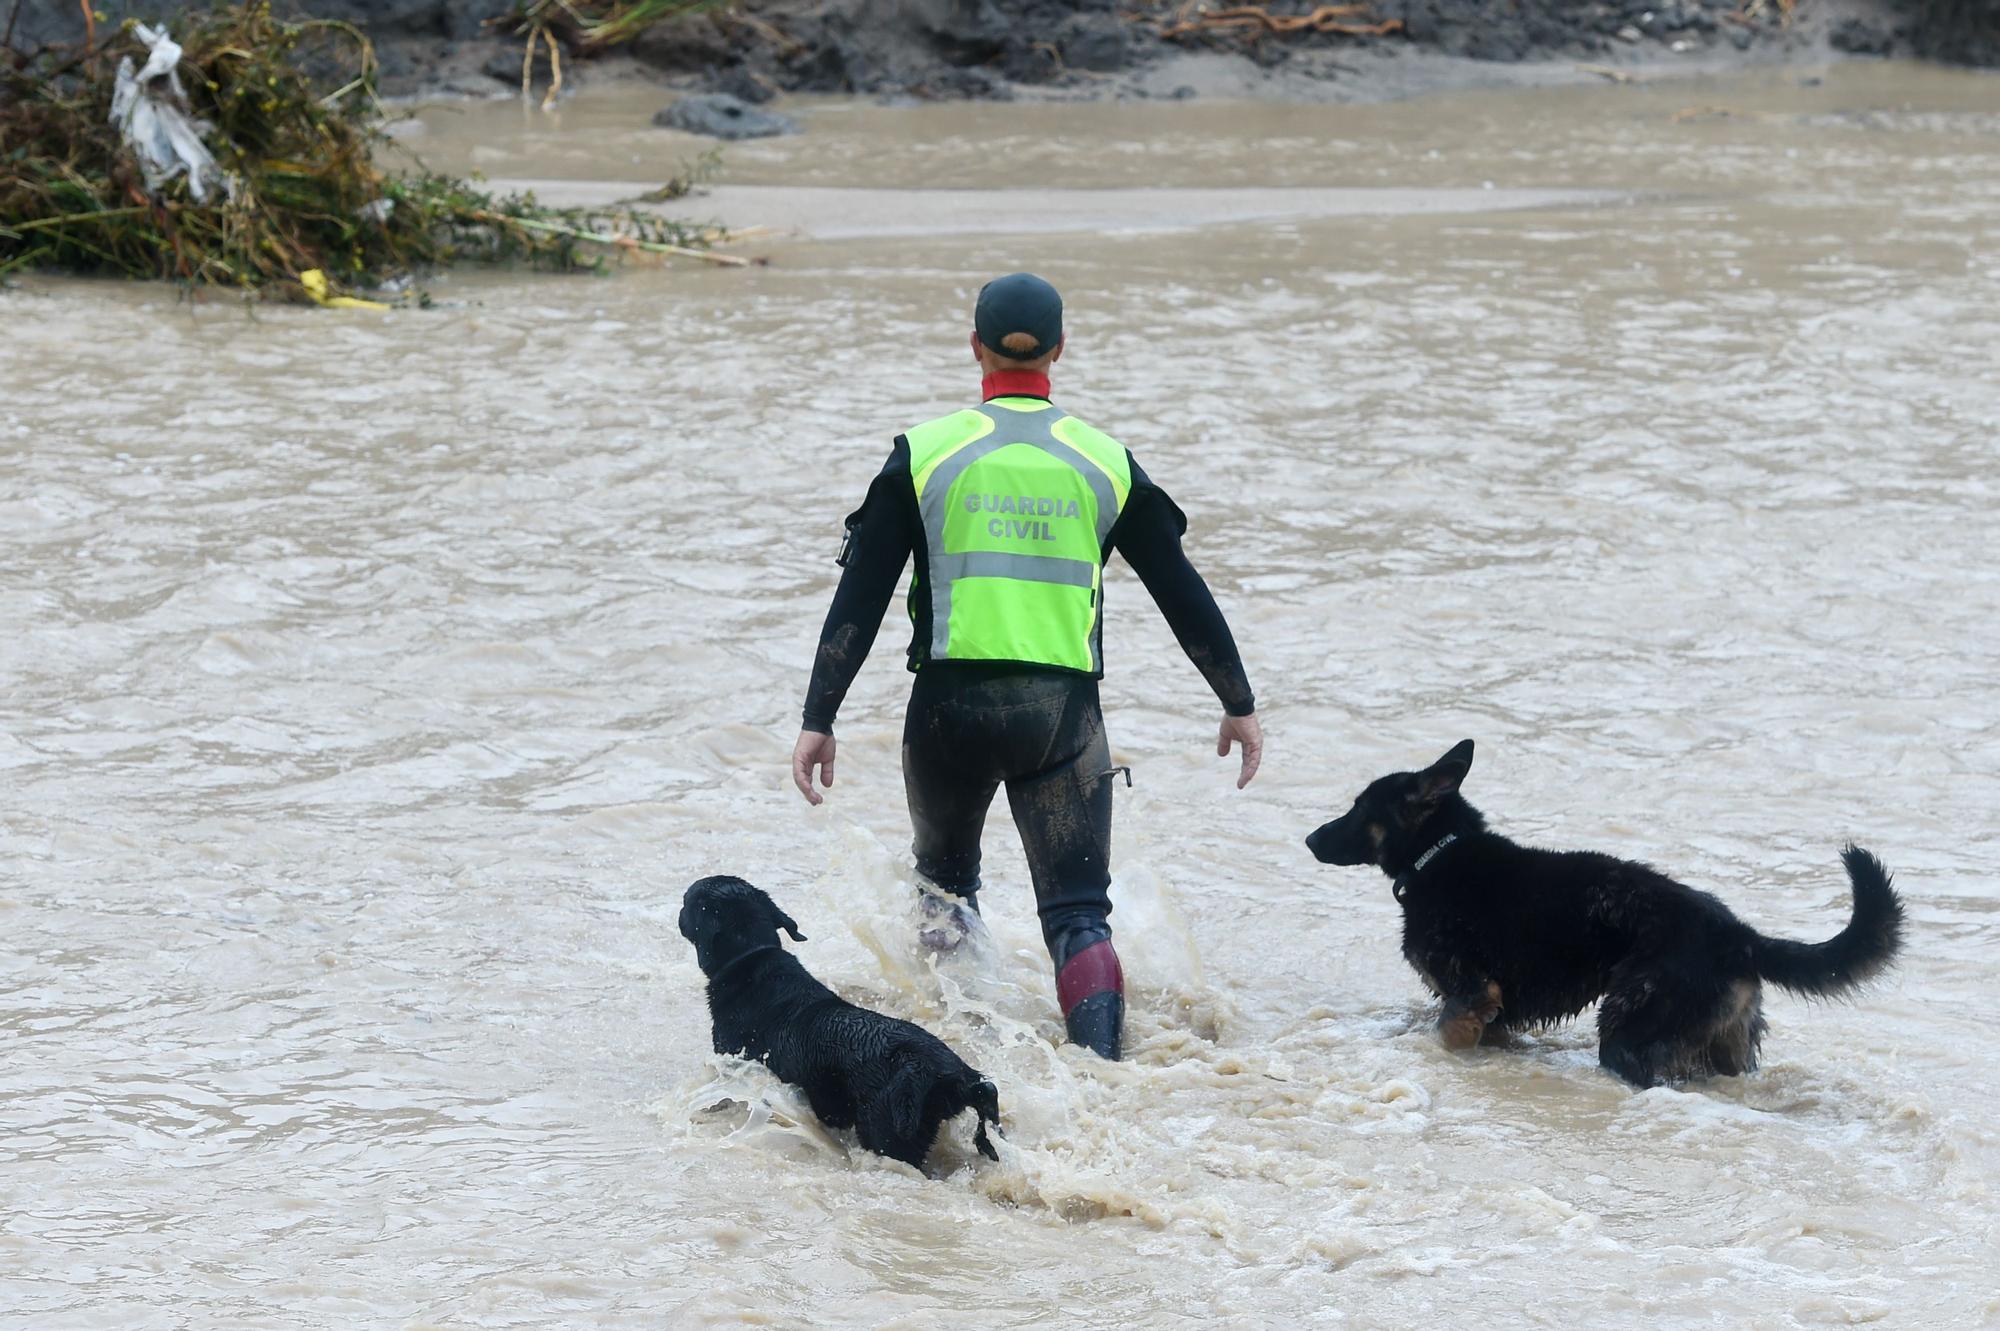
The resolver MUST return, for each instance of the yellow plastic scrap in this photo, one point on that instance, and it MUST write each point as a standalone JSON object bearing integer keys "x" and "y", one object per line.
{"x": 314, "y": 281}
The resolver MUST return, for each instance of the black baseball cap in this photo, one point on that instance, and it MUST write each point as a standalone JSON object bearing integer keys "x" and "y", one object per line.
{"x": 1018, "y": 303}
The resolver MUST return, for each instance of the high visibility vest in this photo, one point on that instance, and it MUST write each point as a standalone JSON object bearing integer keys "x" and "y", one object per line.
{"x": 1018, "y": 500}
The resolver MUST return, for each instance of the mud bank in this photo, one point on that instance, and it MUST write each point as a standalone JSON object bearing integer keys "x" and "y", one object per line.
{"x": 834, "y": 213}
{"x": 1090, "y": 49}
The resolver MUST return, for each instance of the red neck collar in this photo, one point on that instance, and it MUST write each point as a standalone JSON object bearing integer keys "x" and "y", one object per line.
{"x": 1014, "y": 383}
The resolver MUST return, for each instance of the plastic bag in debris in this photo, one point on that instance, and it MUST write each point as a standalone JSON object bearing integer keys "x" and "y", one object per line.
{"x": 149, "y": 107}
{"x": 315, "y": 285}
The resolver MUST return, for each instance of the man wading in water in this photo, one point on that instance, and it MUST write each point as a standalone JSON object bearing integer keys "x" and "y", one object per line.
{"x": 1011, "y": 509}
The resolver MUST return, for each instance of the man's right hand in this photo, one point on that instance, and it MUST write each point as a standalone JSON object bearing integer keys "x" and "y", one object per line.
{"x": 1246, "y": 731}
{"x": 815, "y": 749}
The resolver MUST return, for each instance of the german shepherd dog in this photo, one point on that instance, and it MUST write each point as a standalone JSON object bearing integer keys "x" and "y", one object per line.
{"x": 1513, "y": 938}
{"x": 892, "y": 1082}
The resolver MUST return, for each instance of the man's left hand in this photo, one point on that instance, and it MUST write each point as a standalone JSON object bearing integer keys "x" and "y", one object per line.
{"x": 812, "y": 750}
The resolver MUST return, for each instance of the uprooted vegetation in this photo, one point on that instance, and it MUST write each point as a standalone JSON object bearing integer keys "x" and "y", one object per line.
{"x": 604, "y": 23}
{"x": 288, "y": 114}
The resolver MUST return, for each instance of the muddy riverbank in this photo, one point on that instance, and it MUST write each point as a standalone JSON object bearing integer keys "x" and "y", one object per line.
{"x": 1097, "y": 49}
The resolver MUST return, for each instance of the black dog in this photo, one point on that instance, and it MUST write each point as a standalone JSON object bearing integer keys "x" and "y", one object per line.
{"x": 892, "y": 1082}
{"x": 1514, "y": 937}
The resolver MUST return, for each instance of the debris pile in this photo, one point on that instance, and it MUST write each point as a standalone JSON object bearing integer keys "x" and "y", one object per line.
{"x": 1345, "y": 20}
{"x": 243, "y": 156}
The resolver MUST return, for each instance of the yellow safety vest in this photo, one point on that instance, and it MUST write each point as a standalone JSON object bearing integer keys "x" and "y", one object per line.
{"x": 1018, "y": 500}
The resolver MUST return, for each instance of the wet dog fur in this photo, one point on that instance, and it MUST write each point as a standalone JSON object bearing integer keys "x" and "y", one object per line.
{"x": 1513, "y": 938}
{"x": 892, "y": 1082}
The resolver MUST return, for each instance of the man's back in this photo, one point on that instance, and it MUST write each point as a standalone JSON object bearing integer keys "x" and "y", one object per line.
{"x": 1017, "y": 501}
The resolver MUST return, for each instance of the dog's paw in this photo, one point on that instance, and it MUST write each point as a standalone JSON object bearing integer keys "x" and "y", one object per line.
{"x": 1464, "y": 1019}
{"x": 1461, "y": 1031}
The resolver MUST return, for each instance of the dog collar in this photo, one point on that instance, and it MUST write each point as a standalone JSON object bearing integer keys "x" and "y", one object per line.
{"x": 1402, "y": 883}
{"x": 1431, "y": 854}
{"x": 742, "y": 957}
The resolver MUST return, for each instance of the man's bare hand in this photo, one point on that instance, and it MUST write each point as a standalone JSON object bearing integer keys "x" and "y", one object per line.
{"x": 812, "y": 750}
{"x": 1244, "y": 730}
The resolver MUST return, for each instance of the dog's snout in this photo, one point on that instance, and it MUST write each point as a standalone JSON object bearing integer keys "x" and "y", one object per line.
{"x": 1329, "y": 843}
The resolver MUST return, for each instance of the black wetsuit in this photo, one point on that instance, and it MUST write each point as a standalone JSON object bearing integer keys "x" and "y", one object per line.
{"x": 973, "y": 726}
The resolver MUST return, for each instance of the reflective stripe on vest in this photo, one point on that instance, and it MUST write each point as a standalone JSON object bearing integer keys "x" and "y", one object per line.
{"x": 985, "y": 511}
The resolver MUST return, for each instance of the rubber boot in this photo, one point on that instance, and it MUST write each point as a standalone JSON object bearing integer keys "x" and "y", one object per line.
{"x": 950, "y": 916}
{"x": 1091, "y": 989}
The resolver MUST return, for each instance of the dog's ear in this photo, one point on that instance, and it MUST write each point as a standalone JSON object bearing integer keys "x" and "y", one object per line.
{"x": 1441, "y": 778}
{"x": 783, "y": 921}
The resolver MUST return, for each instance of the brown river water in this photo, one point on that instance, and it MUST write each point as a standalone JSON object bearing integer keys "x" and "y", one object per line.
{"x": 372, "y": 685}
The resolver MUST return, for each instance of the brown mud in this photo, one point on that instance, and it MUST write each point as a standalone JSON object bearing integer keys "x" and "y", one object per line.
{"x": 1299, "y": 50}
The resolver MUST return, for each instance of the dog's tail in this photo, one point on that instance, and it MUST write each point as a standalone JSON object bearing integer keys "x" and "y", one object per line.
{"x": 984, "y": 1098}
{"x": 1851, "y": 957}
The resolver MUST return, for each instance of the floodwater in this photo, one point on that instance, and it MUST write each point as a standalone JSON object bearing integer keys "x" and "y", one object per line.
{"x": 373, "y": 685}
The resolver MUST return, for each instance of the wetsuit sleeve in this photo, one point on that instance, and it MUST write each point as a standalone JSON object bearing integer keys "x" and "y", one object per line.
{"x": 880, "y": 537}
{"x": 1148, "y": 533}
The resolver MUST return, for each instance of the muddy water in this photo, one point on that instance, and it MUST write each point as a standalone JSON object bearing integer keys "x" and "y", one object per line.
{"x": 373, "y": 685}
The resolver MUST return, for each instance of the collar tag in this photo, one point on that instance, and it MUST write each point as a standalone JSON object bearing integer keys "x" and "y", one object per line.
{"x": 1431, "y": 854}
{"x": 1402, "y": 883}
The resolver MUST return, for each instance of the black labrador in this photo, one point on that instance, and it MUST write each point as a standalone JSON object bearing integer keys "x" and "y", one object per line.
{"x": 892, "y": 1082}
{"x": 1511, "y": 937}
